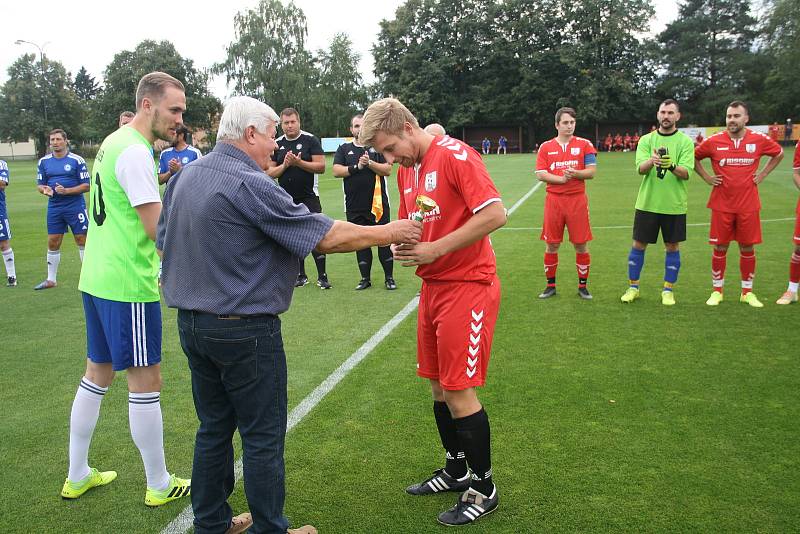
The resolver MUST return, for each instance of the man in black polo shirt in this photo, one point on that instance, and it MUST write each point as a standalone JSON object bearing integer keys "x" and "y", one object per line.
{"x": 296, "y": 164}
{"x": 364, "y": 174}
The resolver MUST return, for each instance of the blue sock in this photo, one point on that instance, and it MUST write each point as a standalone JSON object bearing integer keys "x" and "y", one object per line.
{"x": 635, "y": 264}
{"x": 672, "y": 265}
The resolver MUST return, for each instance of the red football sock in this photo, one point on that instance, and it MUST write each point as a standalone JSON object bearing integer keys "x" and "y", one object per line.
{"x": 582, "y": 263}
{"x": 718, "y": 262}
{"x": 747, "y": 266}
{"x": 550, "y": 267}
{"x": 794, "y": 268}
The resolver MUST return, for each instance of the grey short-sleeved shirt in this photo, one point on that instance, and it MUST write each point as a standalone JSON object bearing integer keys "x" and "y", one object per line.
{"x": 231, "y": 238}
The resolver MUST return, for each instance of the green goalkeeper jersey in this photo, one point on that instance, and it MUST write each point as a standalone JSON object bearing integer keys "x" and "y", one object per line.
{"x": 665, "y": 195}
{"x": 120, "y": 262}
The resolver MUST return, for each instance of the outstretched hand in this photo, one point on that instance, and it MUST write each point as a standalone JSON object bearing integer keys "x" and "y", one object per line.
{"x": 405, "y": 231}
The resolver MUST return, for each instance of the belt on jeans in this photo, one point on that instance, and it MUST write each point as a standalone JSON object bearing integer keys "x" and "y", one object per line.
{"x": 232, "y": 317}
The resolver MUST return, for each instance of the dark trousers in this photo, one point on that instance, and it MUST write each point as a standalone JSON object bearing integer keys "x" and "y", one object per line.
{"x": 238, "y": 371}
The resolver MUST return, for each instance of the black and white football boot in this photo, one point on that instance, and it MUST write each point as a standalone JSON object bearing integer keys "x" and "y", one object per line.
{"x": 439, "y": 482}
{"x": 471, "y": 506}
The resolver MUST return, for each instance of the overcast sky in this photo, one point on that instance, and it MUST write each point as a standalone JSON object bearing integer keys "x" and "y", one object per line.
{"x": 89, "y": 32}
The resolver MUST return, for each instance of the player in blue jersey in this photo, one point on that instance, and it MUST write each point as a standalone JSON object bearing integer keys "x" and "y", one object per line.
{"x": 175, "y": 157}
{"x": 64, "y": 178}
{"x": 486, "y": 146}
{"x": 5, "y": 228}
{"x": 502, "y": 144}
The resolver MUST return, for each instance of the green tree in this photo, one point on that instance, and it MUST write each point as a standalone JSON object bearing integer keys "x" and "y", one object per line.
{"x": 781, "y": 34}
{"x": 431, "y": 56}
{"x": 36, "y": 98}
{"x": 126, "y": 69}
{"x": 608, "y": 59}
{"x": 85, "y": 86}
{"x": 709, "y": 58}
{"x": 268, "y": 59}
{"x": 514, "y": 62}
{"x": 340, "y": 93}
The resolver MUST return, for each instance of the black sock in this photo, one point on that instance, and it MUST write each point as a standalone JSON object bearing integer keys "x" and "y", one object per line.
{"x": 387, "y": 262}
{"x": 473, "y": 435}
{"x": 319, "y": 259}
{"x": 364, "y": 258}
{"x": 302, "y": 271}
{"x": 456, "y": 465}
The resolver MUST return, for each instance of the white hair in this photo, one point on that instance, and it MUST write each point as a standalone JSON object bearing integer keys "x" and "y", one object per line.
{"x": 241, "y": 112}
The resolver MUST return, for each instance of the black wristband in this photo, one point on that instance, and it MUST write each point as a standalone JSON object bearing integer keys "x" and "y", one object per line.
{"x": 353, "y": 169}
{"x": 672, "y": 167}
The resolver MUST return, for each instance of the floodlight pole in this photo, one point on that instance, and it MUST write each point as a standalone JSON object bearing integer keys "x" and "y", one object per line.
{"x": 42, "y": 71}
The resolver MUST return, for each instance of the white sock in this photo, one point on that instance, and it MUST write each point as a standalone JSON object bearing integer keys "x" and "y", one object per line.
{"x": 80, "y": 253}
{"x": 147, "y": 430}
{"x": 792, "y": 285}
{"x": 85, "y": 411}
{"x": 53, "y": 259}
{"x": 8, "y": 261}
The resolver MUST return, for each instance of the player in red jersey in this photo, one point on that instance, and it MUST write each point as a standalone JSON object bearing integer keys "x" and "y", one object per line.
{"x": 735, "y": 154}
{"x": 460, "y": 294}
{"x": 773, "y": 131}
{"x": 564, "y": 163}
{"x": 608, "y": 143}
{"x": 635, "y": 141}
{"x": 618, "y": 142}
{"x": 627, "y": 142}
{"x": 794, "y": 265}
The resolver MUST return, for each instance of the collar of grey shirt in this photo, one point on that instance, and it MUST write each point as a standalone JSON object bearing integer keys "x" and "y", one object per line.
{"x": 229, "y": 149}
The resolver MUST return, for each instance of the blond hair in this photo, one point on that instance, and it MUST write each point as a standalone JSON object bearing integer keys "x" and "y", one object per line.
{"x": 153, "y": 85}
{"x": 387, "y": 115}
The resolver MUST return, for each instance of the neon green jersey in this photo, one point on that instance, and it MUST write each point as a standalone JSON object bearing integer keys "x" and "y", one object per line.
{"x": 120, "y": 262}
{"x": 665, "y": 195}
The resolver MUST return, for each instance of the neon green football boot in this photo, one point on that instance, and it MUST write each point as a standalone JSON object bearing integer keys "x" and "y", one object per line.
{"x": 751, "y": 299}
{"x": 177, "y": 488}
{"x": 73, "y": 490}
{"x": 631, "y": 294}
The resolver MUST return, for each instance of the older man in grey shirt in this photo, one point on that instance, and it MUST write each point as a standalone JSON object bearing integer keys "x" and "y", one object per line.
{"x": 231, "y": 241}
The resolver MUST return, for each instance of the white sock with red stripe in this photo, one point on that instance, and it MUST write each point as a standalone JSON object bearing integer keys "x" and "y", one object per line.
{"x": 85, "y": 411}
{"x": 147, "y": 431}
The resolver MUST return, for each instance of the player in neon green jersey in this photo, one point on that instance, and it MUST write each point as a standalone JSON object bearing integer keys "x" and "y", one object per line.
{"x": 120, "y": 292}
{"x": 664, "y": 159}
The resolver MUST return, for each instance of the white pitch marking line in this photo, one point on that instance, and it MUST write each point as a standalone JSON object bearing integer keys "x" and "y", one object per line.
{"x": 629, "y": 227}
{"x": 525, "y": 197}
{"x": 183, "y": 522}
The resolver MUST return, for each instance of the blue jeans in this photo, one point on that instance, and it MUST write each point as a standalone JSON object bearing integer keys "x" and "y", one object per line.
{"x": 238, "y": 380}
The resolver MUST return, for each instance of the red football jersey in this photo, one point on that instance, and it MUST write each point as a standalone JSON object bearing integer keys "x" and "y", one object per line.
{"x": 736, "y": 160}
{"x": 453, "y": 174}
{"x": 796, "y": 163}
{"x": 554, "y": 158}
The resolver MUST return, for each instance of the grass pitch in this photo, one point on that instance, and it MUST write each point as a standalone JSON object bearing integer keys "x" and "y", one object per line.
{"x": 605, "y": 417}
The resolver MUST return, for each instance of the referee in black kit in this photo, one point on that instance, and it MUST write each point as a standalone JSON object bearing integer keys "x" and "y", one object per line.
{"x": 296, "y": 164}
{"x": 364, "y": 174}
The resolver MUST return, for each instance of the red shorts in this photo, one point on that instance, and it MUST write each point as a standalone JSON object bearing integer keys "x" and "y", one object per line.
{"x": 797, "y": 224}
{"x": 744, "y": 228}
{"x": 455, "y": 327}
{"x": 571, "y": 211}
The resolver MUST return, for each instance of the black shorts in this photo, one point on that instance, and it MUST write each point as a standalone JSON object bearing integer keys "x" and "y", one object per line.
{"x": 647, "y": 224}
{"x": 366, "y": 218}
{"x": 312, "y": 203}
